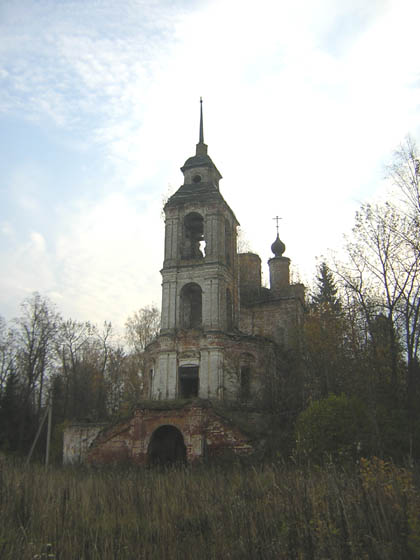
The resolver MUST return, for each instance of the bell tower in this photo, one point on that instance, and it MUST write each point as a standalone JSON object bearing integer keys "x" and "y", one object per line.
{"x": 199, "y": 275}
{"x": 200, "y": 293}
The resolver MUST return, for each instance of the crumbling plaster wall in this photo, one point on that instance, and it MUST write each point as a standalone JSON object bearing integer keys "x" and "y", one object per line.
{"x": 218, "y": 357}
{"x": 77, "y": 440}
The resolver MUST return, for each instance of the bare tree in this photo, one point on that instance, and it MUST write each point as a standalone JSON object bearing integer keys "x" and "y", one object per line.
{"x": 142, "y": 327}
{"x": 243, "y": 244}
{"x": 7, "y": 353}
{"x": 380, "y": 268}
{"x": 382, "y": 273}
{"x": 35, "y": 332}
{"x": 73, "y": 337}
{"x": 404, "y": 173}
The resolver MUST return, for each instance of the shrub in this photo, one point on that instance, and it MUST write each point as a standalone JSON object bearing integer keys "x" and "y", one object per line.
{"x": 337, "y": 427}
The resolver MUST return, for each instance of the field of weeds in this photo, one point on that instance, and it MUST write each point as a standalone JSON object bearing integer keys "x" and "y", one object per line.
{"x": 269, "y": 512}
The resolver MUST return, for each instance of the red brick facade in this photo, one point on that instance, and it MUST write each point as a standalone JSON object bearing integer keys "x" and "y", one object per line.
{"x": 205, "y": 434}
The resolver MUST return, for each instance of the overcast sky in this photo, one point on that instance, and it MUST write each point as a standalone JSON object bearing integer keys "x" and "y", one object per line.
{"x": 304, "y": 102}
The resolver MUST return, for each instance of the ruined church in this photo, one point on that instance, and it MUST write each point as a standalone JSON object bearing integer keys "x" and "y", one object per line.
{"x": 220, "y": 337}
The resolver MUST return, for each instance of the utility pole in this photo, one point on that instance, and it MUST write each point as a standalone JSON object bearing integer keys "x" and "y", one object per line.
{"x": 47, "y": 452}
{"x": 47, "y": 413}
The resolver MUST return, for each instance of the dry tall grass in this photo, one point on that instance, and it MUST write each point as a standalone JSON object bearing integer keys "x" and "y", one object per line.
{"x": 270, "y": 512}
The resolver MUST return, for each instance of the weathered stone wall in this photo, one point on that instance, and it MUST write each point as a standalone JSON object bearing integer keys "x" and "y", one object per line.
{"x": 77, "y": 440}
{"x": 249, "y": 274}
{"x": 277, "y": 319}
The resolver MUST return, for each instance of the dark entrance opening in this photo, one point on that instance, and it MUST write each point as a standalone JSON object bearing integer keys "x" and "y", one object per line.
{"x": 188, "y": 381}
{"x": 167, "y": 447}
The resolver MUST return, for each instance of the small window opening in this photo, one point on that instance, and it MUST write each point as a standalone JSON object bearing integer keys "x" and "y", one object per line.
{"x": 229, "y": 310}
{"x": 245, "y": 382}
{"x": 247, "y": 365}
{"x": 193, "y": 247}
{"x": 228, "y": 243}
{"x": 197, "y": 178}
{"x": 191, "y": 306}
{"x": 188, "y": 382}
{"x": 151, "y": 373}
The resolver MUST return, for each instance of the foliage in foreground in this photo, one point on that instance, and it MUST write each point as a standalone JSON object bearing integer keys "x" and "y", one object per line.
{"x": 337, "y": 426}
{"x": 274, "y": 511}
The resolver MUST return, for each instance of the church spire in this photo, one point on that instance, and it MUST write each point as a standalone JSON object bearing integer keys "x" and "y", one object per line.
{"x": 201, "y": 137}
{"x": 201, "y": 148}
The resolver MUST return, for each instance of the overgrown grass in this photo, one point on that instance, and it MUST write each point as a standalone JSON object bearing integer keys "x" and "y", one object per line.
{"x": 269, "y": 512}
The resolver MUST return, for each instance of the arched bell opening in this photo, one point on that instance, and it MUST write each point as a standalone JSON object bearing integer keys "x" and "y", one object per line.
{"x": 193, "y": 246}
{"x": 166, "y": 447}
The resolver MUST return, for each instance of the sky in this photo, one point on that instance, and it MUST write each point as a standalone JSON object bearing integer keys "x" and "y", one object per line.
{"x": 304, "y": 102}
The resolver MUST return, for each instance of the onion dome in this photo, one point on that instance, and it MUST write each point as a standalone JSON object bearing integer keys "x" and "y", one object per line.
{"x": 278, "y": 247}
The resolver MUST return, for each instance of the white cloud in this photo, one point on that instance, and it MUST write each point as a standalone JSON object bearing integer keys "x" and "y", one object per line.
{"x": 303, "y": 102}
{"x": 109, "y": 260}
{"x": 26, "y": 267}
{"x": 38, "y": 244}
{"x": 6, "y": 229}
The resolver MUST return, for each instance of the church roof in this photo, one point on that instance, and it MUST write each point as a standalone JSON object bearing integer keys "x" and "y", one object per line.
{"x": 202, "y": 193}
{"x": 202, "y": 160}
{"x": 195, "y": 191}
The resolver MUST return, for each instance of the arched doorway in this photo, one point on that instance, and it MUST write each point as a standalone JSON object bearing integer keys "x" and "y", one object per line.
{"x": 166, "y": 447}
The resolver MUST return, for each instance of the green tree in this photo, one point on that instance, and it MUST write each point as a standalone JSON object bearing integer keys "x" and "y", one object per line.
{"x": 327, "y": 351}
{"x": 337, "y": 426}
{"x": 325, "y": 295}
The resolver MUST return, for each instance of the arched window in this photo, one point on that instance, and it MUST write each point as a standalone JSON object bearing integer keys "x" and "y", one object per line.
{"x": 193, "y": 246}
{"x": 151, "y": 377}
{"x": 188, "y": 382}
{"x": 191, "y": 306}
{"x": 228, "y": 243}
{"x": 229, "y": 310}
{"x": 247, "y": 365}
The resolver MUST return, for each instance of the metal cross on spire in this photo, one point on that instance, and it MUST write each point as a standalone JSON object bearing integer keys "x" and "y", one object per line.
{"x": 277, "y": 218}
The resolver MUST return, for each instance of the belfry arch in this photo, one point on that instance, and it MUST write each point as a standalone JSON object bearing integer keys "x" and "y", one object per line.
{"x": 193, "y": 245}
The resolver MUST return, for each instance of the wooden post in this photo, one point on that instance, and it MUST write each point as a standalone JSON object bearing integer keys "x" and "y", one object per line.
{"x": 47, "y": 452}
{"x": 37, "y": 436}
